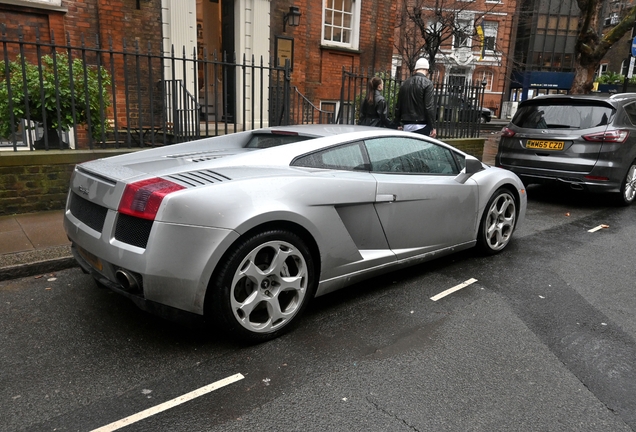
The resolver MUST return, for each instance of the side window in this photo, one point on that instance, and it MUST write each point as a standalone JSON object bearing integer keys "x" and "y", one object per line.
{"x": 345, "y": 157}
{"x": 630, "y": 110}
{"x": 408, "y": 155}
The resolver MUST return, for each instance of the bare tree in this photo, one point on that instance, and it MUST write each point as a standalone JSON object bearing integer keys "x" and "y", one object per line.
{"x": 592, "y": 45}
{"x": 427, "y": 27}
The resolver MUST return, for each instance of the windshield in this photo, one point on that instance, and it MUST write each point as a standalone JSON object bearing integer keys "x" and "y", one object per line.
{"x": 562, "y": 116}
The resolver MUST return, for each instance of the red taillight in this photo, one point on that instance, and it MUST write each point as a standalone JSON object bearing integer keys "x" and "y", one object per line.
{"x": 609, "y": 136}
{"x": 596, "y": 178}
{"x": 142, "y": 199}
{"x": 507, "y": 133}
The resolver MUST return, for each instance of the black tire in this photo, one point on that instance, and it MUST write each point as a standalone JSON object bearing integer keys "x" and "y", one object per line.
{"x": 627, "y": 193}
{"x": 498, "y": 222}
{"x": 262, "y": 286}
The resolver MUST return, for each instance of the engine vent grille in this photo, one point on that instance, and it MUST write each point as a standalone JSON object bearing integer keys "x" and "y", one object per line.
{"x": 90, "y": 213}
{"x": 198, "y": 156}
{"x": 197, "y": 178}
{"x": 133, "y": 230}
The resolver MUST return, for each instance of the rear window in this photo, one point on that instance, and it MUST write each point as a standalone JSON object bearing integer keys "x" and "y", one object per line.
{"x": 562, "y": 116}
{"x": 268, "y": 140}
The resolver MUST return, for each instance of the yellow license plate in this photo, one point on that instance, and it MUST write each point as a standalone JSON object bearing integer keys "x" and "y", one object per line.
{"x": 91, "y": 259}
{"x": 545, "y": 145}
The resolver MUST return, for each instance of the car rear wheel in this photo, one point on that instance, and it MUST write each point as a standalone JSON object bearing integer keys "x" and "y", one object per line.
{"x": 264, "y": 285}
{"x": 628, "y": 187}
{"x": 498, "y": 222}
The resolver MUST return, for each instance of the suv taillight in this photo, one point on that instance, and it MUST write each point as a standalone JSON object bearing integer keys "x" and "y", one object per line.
{"x": 610, "y": 136}
{"x": 142, "y": 199}
{"x": 507, "y": 133}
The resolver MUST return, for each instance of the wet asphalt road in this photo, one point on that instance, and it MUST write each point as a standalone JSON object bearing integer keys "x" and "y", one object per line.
{"x": 543, "y": 341}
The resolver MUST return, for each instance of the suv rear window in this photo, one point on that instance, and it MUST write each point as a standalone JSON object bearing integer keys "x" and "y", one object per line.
{"x": 562, "y": 116}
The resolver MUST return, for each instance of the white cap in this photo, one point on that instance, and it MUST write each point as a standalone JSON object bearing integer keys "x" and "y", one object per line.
{"x": 421, "y": 64}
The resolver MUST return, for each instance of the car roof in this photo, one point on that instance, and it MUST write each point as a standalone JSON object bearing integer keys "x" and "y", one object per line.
{"x": 616, "y": 99}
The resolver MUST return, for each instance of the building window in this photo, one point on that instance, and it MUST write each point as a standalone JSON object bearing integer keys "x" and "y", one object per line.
{"x": 490, "y": 35}
{"x": 601, "y": 69}
{"x": 341, "y": 23}
{"x": 461, "y": 38}
{"x": 611, "y": 20}
{"x": 625, "y": 68}
{"x": 486, "y": 75}
{"x": 457, "y": 79}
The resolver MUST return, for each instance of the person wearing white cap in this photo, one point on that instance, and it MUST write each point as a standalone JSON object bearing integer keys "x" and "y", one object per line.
{"x": 415, "y": 108}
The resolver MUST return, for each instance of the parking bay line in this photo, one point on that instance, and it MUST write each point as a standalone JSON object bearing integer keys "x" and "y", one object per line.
{"x": 169, "y": 404}
{"x": 453, "y": 289}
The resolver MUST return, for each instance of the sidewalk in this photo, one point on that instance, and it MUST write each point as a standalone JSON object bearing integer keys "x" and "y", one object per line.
{"x": 32, "y": 244}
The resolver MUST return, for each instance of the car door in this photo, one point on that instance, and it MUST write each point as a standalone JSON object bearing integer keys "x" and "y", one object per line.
{"x": 349, "y": 188}
{"x": 422, "y": 204}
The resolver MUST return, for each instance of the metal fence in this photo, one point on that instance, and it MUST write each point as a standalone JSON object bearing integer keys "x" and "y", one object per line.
{"x": 59, "y": 96}
{"x": 458, "y": 106}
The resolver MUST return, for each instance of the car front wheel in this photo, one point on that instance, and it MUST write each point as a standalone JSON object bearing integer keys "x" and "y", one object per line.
{"x": 498, "y": 222}
{"x": 263, "y": 286}
{"x": 628, "y": 187}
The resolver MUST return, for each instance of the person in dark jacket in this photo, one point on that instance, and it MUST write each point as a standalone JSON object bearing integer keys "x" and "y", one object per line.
{"x": 373, "y": 111}
{"x": 415, "y": 108}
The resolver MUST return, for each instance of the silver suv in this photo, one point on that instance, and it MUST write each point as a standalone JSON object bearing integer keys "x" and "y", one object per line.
{"x": 586, "y": 141}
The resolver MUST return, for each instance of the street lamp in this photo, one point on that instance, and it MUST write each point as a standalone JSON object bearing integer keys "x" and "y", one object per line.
{"x": 292, "y": 17}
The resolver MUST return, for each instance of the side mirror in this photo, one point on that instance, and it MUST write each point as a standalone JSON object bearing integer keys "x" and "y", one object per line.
{"x": 473, "y": 165}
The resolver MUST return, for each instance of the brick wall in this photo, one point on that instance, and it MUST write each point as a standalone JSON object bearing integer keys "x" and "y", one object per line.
{"x": 318, "y": 69}
{"x": 39, "y": 181}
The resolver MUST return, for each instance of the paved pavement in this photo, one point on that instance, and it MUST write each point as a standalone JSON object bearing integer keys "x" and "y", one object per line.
{"x": 35, "y": 243}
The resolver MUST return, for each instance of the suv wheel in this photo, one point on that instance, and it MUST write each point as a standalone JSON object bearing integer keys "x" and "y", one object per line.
{"x": 628, "y": 187}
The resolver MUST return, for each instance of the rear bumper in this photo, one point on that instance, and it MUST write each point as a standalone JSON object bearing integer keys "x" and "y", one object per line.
{"x": 574, "y": 180}
{"x": 158, "y": 309}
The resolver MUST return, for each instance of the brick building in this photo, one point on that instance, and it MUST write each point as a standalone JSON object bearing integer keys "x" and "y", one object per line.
{"x": 330, "y": 35}
{"x": 466, "y": 57}
{"x": 333, "y": 34}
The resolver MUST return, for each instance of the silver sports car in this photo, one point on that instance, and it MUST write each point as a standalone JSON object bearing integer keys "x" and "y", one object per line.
{"x": 246, "y": 228}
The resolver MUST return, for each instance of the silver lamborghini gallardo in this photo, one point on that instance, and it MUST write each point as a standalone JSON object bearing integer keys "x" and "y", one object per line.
{"x": 246, "y": 228}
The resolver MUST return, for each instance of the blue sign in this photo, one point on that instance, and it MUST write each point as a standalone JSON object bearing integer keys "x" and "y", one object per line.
{"x": 634, "y": 47}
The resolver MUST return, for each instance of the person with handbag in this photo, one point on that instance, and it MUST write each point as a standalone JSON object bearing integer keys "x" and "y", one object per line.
{"x": 373, "y": 111}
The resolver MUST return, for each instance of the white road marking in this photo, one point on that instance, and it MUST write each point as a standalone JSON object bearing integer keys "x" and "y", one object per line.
{"x": 169, "y": 404}
{"x": 600, "y": 227}
{"x": 453, "y": 289}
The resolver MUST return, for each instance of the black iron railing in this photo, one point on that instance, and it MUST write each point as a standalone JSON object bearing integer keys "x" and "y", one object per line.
{"x": 56, "y": 96}
{"x": 458, "y": 107}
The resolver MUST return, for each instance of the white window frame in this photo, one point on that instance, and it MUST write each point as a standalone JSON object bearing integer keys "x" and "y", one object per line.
{"x": 490, "y": 30}
{"x": 625, "y": 67}
{"x": 466, "y": 25}
{"x": 602, "y": 68}
{"x": 336, "y": 103}
{"x": 488, "y": 75}
{"x": 355, "y": 23}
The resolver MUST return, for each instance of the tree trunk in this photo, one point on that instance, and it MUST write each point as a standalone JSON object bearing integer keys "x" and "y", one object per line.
{"x": 583, "y": 79}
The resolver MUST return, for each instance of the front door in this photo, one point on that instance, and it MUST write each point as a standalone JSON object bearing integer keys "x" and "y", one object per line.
{"x": 421, "y": 206}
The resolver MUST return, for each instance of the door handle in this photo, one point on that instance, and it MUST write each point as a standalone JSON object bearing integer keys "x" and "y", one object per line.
{"x": 385, "y": 198}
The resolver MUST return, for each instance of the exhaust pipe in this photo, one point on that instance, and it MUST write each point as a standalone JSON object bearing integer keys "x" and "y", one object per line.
{"x": 576, "y": 186}
{"x": 127, "y": 280}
